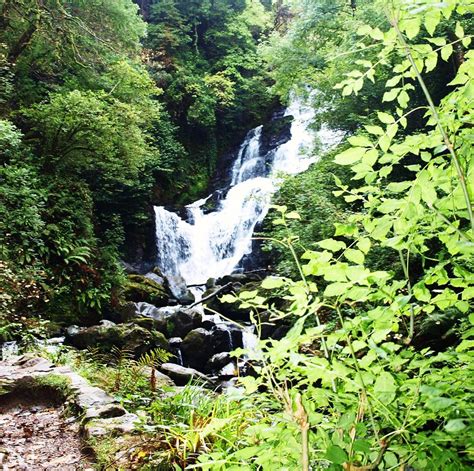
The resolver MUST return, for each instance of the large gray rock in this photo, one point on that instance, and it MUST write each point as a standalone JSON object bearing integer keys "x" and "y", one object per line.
{"x": 172, "y": 321}
{"x": 197, "y": 348}
{"x": 182, "y": 375}
{"x": 112, "y": 426}
{"x": 131, "y": 337}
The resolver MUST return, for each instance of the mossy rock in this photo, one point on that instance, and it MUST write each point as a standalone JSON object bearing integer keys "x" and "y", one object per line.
{"x": 51, "y": 388}
{"x": 131, "y": 337}
{"x": 141, "y": 289}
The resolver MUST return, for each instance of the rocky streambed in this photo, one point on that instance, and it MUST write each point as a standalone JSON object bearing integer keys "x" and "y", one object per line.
{"x": 151, "y": 316}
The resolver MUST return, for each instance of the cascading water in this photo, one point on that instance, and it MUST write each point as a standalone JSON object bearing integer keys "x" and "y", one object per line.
{"x": 211, "y": 245}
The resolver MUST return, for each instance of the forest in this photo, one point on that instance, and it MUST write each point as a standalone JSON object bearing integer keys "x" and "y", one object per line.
{"x": 237, "y": 235}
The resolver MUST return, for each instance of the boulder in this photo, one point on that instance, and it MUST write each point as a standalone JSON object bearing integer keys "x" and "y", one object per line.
{"x": 242, "y": 278}
{"x": 182, "y": 376}
{"x": 180, "y": 291}
{"x": 112, "y": 426}
{"x": 162, "y": 381}
{"x": 107, "y": 335}
{"x": 217, "y": 362}
{"x": 222, "y": 339}
{"x": 157, "y": 275}
{"x": 172, "y": 321}
{"x": 197, "y": 348}
{"x": 142, "y": 289}
{"x": 228, "y": 371}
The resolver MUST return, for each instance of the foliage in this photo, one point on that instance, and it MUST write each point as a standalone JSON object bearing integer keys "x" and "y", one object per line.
{"x": 82, "y": 146}
{"x": 189, "y": 423}
{"x": 204, "y": 56}
{"x": 364, "y": 395}
{"x": 310, "y": 195}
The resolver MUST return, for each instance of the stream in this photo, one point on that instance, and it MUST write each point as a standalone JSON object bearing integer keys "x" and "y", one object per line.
{"x": 211, "y": 244}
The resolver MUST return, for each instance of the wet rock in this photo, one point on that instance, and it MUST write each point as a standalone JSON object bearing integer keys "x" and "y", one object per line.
{"x": 242, "y": 278}
{"x": 197, "y": 348}
{"x": 157, "y": 275}
{"x": 186, "y": 298}
{"x": 180, "y": 291}
{"x": 210, "y": 283}
{"x": 92, "y": 399}
{"x": 221, "y": 339}
{"x": 182, "y": 375}
{"x": 175, "y": 342}
{"x": 276, "y": 132}
{"x": 228, "y": 371}
{"x": 217, "y": 362}
{"x": 131, "y": 337}
{"x": 141, "y": 289}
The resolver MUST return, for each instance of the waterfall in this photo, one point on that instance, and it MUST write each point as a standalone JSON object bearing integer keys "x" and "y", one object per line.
{"x": 211, "y": 245}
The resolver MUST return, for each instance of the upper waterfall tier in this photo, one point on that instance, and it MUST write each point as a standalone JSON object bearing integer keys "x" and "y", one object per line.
{"x": 212, "y": 244}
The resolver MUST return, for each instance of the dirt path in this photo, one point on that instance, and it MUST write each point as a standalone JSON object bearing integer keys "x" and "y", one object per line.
{"x": 36, "y": 437}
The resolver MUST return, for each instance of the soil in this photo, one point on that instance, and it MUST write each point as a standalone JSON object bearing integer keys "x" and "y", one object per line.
{"x": 35, "y": 436}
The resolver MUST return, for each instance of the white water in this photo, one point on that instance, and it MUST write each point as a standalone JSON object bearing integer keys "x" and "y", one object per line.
{"x": 212, "y": 245}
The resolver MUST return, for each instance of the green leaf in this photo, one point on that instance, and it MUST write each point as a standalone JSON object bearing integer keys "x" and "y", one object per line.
{"x": 250, "y": 384}
{"x": 438, "y": 403}
{"x": 459, "y": 31}
{"x": 360, "y": 141}
{"x": 385, "y": 117}
{"x": 272, "y": 282}
{"x": 432, "y": 18}
{"x": 403, "y": 98}
{"x": 336, "y": 289}
{"x": 399, "y": 187}
{"x": 385, "y": 388}
{"x": 228, "y": 298}
{"x": 455, "y": 425}
{"x": 391, "y": 95}
{"x": 364, "y": 244}
{"x": 350, "y": 156}
{"x": 248, "y": 294}
{"x": 292, "y": 215}
{"x": 421, "y": 292}
{"x": 411, "y": 26}
{"x": 393, "y": 81}
{"x": 362, "y": 446}
{"x": 355, "y": 256}
{"x": 376, "y": 130}
{"x": 446, "y": 52}
{"x": 370, "y": 158}
{"x": 377, "y": 34}
{"x": 431, "y": 61}
{"x": 336, "y": 455}
{"x": 332, "y": 245}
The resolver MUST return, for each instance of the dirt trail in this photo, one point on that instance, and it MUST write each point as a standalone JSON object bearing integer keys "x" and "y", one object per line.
{"x": 34, "y": 436}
